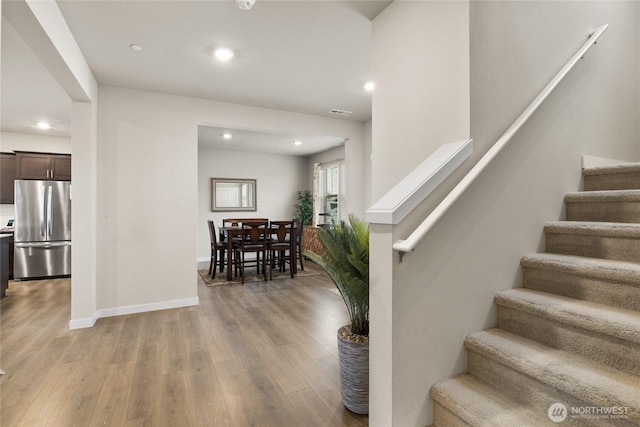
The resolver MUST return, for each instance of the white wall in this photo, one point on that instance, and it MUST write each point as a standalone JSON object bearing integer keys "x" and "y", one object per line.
{"x": 444, "y": 290}
{"x": 421, "y": 70}
{"x": 85, "y": 253}
{"x": 368, "y": 127}
{"x": 278, "y": 177}
{"x": 355, "y": 173}
{"x": 10, "y": 141}
{"x": 148, "y": 197}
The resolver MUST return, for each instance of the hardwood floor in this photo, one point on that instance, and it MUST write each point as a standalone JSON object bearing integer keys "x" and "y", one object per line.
{"x": 259, "y": 354}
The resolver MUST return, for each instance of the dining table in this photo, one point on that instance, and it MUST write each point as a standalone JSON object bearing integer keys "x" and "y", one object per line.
{"x": 231, "y": 231}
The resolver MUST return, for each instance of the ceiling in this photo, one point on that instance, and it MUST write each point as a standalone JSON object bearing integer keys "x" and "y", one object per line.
{"x": 302, "y": 56}
{"x": 265, "y": 142}
{"x": 29, "y": 92}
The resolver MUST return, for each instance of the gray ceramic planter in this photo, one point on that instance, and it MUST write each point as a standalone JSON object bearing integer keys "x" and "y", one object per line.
{"x": 354, "y": 374}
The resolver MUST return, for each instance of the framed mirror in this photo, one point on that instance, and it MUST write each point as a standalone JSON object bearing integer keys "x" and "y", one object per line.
{"x": 233, "y": 195}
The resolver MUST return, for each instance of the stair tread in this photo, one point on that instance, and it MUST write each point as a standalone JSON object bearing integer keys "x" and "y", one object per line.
{"x": 613, "y": 229}
{"x": 620, "y": 271}
{"x": 478, "y": 403}
{"x": 577, "y": 376}
{"x": 603, "y": 196}
{"x": 611, "y": 169}
{"x": 604, "y": 319}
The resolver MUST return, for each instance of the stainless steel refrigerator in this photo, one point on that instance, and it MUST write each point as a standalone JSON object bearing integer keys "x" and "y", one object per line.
{"x": 42, "y": 229}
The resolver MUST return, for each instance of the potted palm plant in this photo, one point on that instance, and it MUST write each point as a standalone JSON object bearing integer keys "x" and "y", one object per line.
{"x": 345, "y": 258}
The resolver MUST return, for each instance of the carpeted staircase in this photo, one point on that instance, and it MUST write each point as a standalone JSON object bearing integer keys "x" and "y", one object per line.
{"x": 571, "y": 335}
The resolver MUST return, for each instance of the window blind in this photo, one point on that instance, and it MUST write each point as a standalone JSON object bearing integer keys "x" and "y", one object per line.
{"x": 333, "y": 179}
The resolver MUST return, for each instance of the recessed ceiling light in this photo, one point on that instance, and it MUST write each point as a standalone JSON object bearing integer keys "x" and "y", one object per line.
{"x": 43, "y": 126}
{"x": 245, "y": 4}
{"x": 226, "y": 135}
{"x": 297, "y": 142}
{"x": 223, "y": 54}
{"x": 369, "y": 86}
{"x": 135, "y": 47}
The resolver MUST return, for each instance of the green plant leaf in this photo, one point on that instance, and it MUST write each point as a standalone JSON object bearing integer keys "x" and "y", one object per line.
{"x": 345, "y": 258}
{"x": 304, "y": 206}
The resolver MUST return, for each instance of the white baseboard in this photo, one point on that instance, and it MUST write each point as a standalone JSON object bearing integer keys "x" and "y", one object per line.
{"x": 205, "y": 259}
{"x": 131, "y": 309}
{"x": 82, "y": 323}
{"x": 142, "y": 308}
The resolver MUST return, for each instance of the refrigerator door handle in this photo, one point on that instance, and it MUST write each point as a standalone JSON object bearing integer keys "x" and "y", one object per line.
{"x": 42, "y": 245}
{"x": 50, "y": 212}
{"x": 43, "y": 214}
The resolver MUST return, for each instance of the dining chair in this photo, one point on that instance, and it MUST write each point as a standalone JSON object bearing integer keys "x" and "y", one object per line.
{"x": 299, "y": 230}
{"x": 233, "y": 222}
{"x": 216, "y": 248}
{"x": 281, "y": 247}
{"x": 237, "y": 222}
{"x": 255, "y": 238}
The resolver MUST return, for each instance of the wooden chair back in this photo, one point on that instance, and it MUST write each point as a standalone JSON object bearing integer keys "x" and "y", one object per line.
{"x": 281, "y": 231}
{"x": 212, "y": 233}
{"x": 236, "y": 222}
{"x": 255, "y": 235}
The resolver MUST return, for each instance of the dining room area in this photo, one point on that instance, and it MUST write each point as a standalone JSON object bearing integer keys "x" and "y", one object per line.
{"x": 254, "y": 248}
{"x": 249, "y": 224}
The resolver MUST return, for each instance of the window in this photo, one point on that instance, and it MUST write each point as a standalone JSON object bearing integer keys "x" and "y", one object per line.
{"x": 332, "y": 191}
{"x": 328, "y": 191}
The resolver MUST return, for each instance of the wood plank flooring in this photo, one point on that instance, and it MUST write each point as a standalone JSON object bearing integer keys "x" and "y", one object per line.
{"x": 259, "y": 354}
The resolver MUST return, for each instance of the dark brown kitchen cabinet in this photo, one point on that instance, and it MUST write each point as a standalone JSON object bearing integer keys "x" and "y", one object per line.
{"x": 61, "y": 167}
{"x": 8, "y": 236}
{"x": 4, "y": 264}
{"x": 7, "y": 176}
{"x": 31, "y": 165}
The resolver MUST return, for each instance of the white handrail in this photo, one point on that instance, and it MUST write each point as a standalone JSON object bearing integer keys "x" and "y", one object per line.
{"x": 410, "y": 243}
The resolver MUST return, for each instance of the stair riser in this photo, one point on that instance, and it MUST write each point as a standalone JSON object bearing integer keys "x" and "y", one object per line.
{"x": 615, "y": 248}
{"x": 614, "y": 181}
{"x": 611, "y": 211}
{"x": 602, "y": 348}
{"x": 442, "y": 417}
{"x": 582, "y": 287}
{"x": 530, "y": 391}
